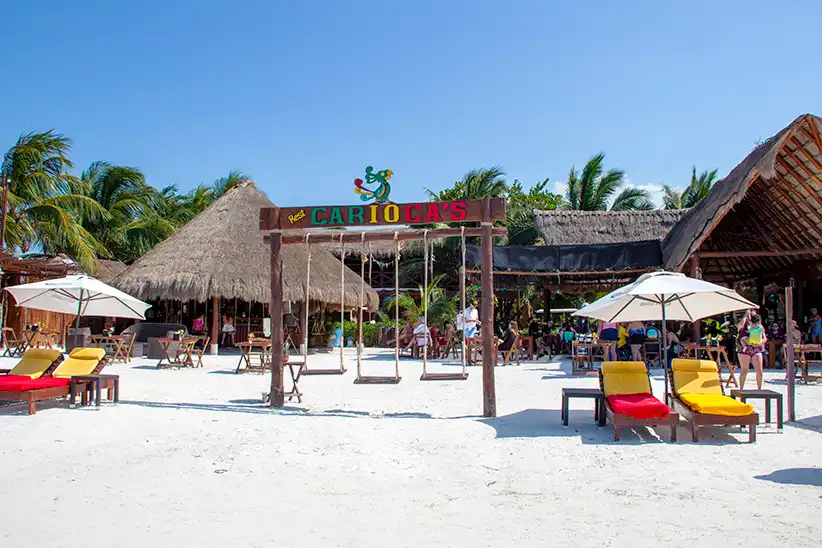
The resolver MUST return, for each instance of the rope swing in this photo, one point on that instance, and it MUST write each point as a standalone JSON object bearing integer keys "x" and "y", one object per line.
{"x": 362, "y": 297}
{"x": 395, "y": 378}
{"x": 426, "y": 376}
{"x": 342, "y": 303}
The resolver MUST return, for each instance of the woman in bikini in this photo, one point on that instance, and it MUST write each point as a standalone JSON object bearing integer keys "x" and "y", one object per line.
{"x": 750, "y": 348}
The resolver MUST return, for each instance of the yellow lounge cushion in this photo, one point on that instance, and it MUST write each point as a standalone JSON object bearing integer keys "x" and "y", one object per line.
{"x": 716, "y": 404}
{"x": 625, "y": 378}
{"x": 696, "y": 377}
{"x": 81, "y": 361}
{"x": 35, "y": 362}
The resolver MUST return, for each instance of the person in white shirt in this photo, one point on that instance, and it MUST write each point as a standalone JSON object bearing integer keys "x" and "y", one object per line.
{"x": 470, "y": 320}
{"x": 421, "y": 333}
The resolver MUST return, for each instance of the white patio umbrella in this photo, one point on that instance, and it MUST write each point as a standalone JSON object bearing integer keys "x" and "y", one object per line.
{"x": 81, "y": 295}
{"x": 664, "y": 296}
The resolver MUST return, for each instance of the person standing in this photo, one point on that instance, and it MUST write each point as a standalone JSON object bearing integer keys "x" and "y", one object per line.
{"x": 470, "y": 321}
{"x": 751, "y": 347}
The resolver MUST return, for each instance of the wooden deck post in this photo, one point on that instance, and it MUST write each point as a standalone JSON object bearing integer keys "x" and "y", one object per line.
{"x": 546, "y": 302}
{"x": 489, "y": 407}
{"x": 277, "y": 394}
{"x": 215, "y": 322}
{"x": 799, "y": 296}
{"x": 696, "y": 333}
{"x": 789, "y": 366}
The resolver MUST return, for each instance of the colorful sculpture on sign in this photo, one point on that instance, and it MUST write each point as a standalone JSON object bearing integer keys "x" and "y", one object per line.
{"x": 375, "y": 187}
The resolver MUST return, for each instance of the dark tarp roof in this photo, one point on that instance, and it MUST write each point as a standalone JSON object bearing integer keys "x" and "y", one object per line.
{"x": 605, "y": 258}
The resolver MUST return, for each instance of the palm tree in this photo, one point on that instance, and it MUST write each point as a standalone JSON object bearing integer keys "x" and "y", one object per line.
{"x": 476, "y": 184}
{"x": 697, "y": 189}
{"x": 441, "y": 309}
{"x": 43, "y": 200}
{"x": 594, "y": 188}
{"x": 224, "y": 184}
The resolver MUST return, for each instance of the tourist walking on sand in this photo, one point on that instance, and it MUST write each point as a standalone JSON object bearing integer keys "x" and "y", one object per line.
{"x": 470, "y": 320}
{"x": 750, "y": 347}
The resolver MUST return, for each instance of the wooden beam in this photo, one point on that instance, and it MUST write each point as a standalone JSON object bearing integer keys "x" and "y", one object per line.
{"x": 813, "y": 133}
{"x": 215, "y": 322}
{"x": 800, "y": 203}
{"x": 765, "y": 205}
{"x": 489, "y": 408}
{"x": 333, "y": 236}
{"x": 814, "y": 194}
{"x": 734, "y": 254}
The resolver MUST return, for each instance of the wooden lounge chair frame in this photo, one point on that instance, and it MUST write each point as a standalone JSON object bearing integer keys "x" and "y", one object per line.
{"x": 506, "y": 354}
{"x": 619, "y": 420}
{"x": 706, "y": 419}
{"x": 31, "y": 397}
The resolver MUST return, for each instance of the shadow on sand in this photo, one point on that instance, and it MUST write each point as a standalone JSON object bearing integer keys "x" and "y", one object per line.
{"x": 795, "y": 476}
{"x": 535, "y": 423}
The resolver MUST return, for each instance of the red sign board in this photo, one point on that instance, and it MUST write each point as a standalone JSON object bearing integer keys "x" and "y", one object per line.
{"x": 381, "y": 214}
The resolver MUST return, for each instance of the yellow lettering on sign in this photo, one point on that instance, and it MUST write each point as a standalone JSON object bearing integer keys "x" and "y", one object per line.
{"x": 392, "y": 213}
{"x": 296, "y": 217}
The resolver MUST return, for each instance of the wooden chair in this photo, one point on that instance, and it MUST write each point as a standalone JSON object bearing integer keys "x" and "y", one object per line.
{"x": 15, "y": 346}
{"x": 198, "y": 352}
{"x": 506, "y": 354}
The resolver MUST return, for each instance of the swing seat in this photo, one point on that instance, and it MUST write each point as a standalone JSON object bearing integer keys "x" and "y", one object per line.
{"x": 377, "y": 380}
{"x": 444, "y": 376}
{"x": 335, "y": 371}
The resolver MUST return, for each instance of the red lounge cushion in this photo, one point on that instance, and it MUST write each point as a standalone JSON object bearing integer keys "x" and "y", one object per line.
{"x": 638, "y": 406}
{"x": 26, "y": 383}
{"x": 13, "y": 378}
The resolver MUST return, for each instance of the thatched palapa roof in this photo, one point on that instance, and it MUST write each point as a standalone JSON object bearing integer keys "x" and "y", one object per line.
{"x": 772, "y": 201}
{"x": 565, "y": 227}
{"x": 107, "y": 270}
{"x": 221, "y": 253}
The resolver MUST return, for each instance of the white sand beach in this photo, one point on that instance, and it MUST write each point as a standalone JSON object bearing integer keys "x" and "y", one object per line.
{"x": 193, "y": 458}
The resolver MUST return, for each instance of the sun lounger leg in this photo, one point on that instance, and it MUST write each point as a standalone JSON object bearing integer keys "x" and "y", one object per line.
{"x": 616, "y": 433}
{"x": 752, "y": 433}
{"x": 694, "y": 432}
{"x": 32, "y": 406}
{"x": 673, "y": 431}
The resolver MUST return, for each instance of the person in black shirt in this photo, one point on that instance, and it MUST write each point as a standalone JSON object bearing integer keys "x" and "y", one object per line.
{"x": 509, "y": 339}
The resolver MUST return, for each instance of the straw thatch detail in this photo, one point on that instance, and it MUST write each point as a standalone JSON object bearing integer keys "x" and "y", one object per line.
{"x": 221, "y": 253}
{"x": 772, "y": 201}
{"x": 108, "y": 270}
{"x": 564, "y": 227}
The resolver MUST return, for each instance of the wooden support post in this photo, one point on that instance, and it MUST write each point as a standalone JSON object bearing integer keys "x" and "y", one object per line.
{"x": 760, "y": 294}
{"x": 789, "y": 366}
{"x": 546, "y": 302}
{"x": 696, "y": 334}
{"x": 277, "y": 395}
{"x": 799, "y": 296}
{"x": 489, "y": 408}
{"x": 215, "y": 322}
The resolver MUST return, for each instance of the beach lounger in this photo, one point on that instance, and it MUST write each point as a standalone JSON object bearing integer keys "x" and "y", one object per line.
{"x": 35, "y": 363}
{"x": 629, "y": 401}
{"x": 81, "y": 361}
{"x": 698, "y": 397}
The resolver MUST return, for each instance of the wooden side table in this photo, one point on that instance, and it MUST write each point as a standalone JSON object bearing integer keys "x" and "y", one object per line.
{"x": 592, "y": 393}
{"x": 95, "y": 383}
{"x": 766, "y": 395}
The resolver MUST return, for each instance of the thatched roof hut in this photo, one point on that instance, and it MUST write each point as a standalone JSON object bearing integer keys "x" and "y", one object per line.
{"x": 221, "y": 253}
{"x": 107, "y": 270}
{"x": 564, "y": 227}
{"x": 764, "y": 216}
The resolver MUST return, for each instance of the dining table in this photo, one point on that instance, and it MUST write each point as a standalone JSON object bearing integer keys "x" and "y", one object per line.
{"x": 117, "y": 344}
{"x": 584, "y": 352}
{"x": 255, "y": 355}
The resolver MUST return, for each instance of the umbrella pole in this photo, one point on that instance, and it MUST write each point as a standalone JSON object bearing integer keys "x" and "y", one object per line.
{"x": 77, "y": 321}
{"x": 664, "y": 343}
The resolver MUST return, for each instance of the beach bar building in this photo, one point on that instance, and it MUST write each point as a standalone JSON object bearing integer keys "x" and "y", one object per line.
{"x": 218, "y": 263}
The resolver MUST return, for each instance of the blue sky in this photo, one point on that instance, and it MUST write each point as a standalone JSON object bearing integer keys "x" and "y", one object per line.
{"x": 304, "y": 95}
